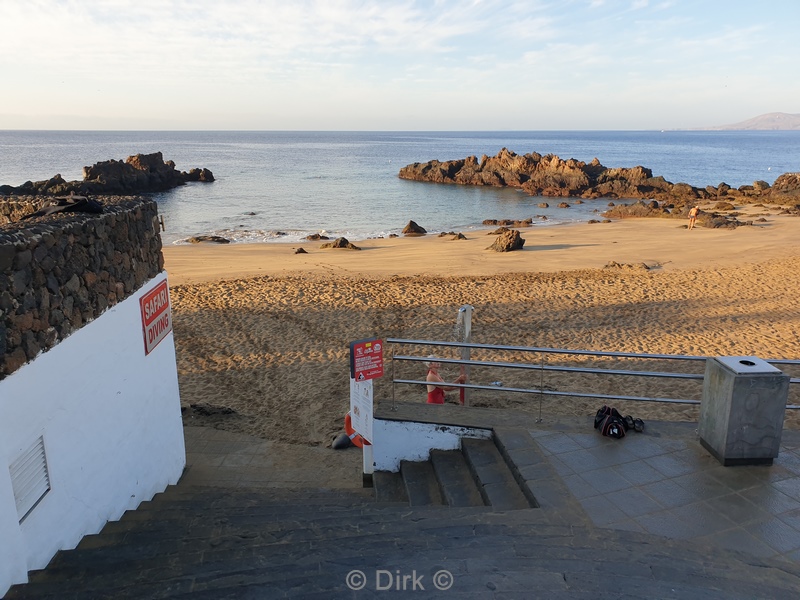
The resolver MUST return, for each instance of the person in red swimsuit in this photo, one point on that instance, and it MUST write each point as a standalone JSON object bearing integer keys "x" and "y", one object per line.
{"x": 436, "y": 387}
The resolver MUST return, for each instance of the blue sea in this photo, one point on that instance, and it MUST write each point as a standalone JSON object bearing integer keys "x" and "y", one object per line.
{"x": 283, "y": 185}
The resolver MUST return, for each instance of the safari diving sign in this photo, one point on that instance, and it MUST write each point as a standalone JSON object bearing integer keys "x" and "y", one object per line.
{"x": 156, "y": 316}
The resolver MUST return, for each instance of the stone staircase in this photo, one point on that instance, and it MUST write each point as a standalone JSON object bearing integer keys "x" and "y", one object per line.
{"x": 476, "y": 475}
{"x": 415, "y": 533}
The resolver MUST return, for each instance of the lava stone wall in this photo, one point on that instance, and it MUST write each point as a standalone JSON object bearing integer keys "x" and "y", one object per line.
{"x": 13, "y": 209}
{"x": 60, "y": 271}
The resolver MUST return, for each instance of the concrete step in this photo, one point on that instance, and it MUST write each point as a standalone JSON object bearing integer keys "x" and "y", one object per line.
{"x": 457, "y": 485}
{"x": 389, "y": 487}
{"x": 244, "y": 497}
{"x": 498, "y": 487}
{"x": 422, "y": 487}
{"x": 146, "y": 541}
{"x": 482, "y": 473}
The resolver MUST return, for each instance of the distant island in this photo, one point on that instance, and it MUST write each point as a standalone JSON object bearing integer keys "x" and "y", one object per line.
{"x": 774, "y": 121}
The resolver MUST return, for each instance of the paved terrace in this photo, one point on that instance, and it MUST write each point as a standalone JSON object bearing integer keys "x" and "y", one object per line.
{"x": 661, "y": 481}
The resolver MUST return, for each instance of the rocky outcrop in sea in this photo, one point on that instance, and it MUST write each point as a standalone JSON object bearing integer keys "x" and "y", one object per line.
{"x": 137, "y": 174}
{"x": 550, "y": 175}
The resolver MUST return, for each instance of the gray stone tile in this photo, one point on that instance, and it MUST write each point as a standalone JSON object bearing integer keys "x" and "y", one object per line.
{"x": 702, "y": 485}
{"x": 588, "y": 440}
{"x": 560, "y": 467}
{"x": 540, "y": 433}
{"x": 601, "y": 511}
{"x": 513, "y": 438}
{"x": 596, "y": 458}
{"x": 558, "y": 444}
{"x": 738, "y": 509}
{"x": 789, "y": 460}
{"x": 670, "y": 465}
{"x": 771, "y": 500}
{"x": 703, "y": 519}
{"x": 737, "y": 478}
{"x": 527, "y": 456}
{"x": 697, "y": 456}
{"x": 685, "y": 522}
{"x": 581, "y": 460}
{"x": 792, "y": 519}
{"x": 639, "y": 472}
{"x": 669, "y": 494}
{"x": 776, "y": 473}
{"x": 535, "y": 472}
{"x": 776, "y": 534}
{"x": 644, "y": 446}
{"x": 579, "y": 487}
{"x": 790, "y": 487}
{"x": 633, "y": 502}
{"x": 739, "y": 540}
{"x": 605, "y": 480}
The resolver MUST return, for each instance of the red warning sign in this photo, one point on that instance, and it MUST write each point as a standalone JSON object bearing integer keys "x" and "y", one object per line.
{"x": 156, "y": 316}
{"x": 366, "y": 359}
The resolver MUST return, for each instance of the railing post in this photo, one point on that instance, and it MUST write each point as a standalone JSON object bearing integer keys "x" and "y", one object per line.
{"x": 394, "y": 402}
{"x": 465, "y": 326}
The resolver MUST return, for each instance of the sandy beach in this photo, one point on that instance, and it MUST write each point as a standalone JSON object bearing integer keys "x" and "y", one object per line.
{"x": 262, "y": 333}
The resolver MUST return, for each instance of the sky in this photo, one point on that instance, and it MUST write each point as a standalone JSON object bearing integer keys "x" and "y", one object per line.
{"x": 400, "y": 65}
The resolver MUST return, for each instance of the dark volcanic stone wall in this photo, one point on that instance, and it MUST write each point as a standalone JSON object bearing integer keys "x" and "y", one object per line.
{"x": 60, "y": 271}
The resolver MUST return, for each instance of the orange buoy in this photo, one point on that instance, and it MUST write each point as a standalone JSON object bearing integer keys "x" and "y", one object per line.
{"x": 351, "y": 433}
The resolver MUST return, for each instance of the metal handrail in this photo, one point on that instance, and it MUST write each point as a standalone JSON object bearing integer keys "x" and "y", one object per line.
{"x": 542, "y": 367}
{"x": 546, "y": 350}
{"x": 495, "y": 388}
{"x": 507, "y": 365}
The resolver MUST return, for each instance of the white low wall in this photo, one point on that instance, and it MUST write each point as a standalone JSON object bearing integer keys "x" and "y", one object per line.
{"x": 395, "y": 441}
{"x": 111, "y": 422}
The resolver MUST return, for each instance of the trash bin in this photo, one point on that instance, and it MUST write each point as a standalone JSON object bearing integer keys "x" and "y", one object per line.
{"x": 742, "y": 411}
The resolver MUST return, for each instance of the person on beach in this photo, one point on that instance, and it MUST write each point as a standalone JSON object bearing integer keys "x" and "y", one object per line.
{"x": 693, "y": 212}
{"x": 436, "y": 385}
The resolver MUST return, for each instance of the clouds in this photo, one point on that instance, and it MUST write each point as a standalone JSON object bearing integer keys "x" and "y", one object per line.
{"x": 353, "y": 64}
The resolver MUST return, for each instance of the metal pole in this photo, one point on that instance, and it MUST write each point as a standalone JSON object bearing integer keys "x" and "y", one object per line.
{"x": 394, "y": 402}
{"x": 465, "y": 315}
{"x": 541, "y": 388}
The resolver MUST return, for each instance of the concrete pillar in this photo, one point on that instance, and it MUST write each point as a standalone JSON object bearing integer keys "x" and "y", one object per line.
{"x": 742, "y": 411}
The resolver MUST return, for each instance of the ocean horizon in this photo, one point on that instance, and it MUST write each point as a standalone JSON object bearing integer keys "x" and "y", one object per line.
{"x": 280, "y": 186}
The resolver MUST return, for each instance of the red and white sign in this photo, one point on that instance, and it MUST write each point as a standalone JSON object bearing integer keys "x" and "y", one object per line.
{"x": 156, "y": 316}
{"x": 366, "y": 359}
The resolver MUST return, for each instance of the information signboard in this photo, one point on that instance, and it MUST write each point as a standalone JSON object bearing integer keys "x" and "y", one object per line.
{"x": 366, "y": 359}
{"x": 361, "y": 407}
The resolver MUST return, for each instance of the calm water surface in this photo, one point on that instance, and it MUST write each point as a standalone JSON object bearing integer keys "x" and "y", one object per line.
{"x": 345, "y": 183}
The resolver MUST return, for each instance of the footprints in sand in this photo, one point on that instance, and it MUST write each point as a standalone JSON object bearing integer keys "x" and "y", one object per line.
{"x": 275, "y": 349}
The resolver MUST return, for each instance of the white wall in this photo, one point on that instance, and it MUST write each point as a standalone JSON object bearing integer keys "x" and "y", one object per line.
{"x": 111, "y": 422}
{"x": 395, "y": 441}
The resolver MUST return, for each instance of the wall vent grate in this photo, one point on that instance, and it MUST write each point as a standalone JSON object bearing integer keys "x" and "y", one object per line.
{"x": 30, "y": 479}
